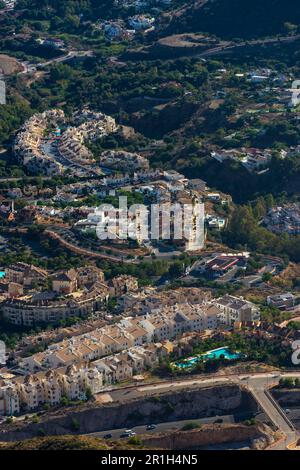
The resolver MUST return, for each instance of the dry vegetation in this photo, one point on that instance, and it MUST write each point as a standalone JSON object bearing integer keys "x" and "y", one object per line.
{"x": 9, "y": 65}
{"x": 66, "y": 443}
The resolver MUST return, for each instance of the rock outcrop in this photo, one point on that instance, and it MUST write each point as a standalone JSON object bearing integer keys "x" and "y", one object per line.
{"x": 257, "y": 437}
{"x": 186, "y": 404}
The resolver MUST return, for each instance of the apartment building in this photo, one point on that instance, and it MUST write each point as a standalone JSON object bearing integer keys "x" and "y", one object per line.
{"x": 284, "y": 219}
{"x": 45, "y": 307}
{"x": 165, "y": 323}
{"x": 72, "y": 142}
{"x": 282, "y": 301}
{"x": 121, "y": 160}
{"x": 75, "y": 293}
{"x": 9, "y": 399}
{"x": 123, "y": 284}
{"x": 28, "y": 145}
{"x": 236, "y": 309}
{"x": 65, "y": 282}
{"x": 30, "y": 392}
{"x": 25, "y": 274}
{"x": 134, "y": 361}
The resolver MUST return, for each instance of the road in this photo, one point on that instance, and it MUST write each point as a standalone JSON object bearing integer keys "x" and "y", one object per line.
{"x": 257, "y": 384}
{"x": 295, "y": 316}
{"x": 277, "y": 416}
{"x": 163, "y": 427}
{"x": 70, "y": 55}
{"x": 32, "y": 68}
{"x": 263, "y": 42}
{"x": 51, "y": 149}
{"x": 53, "y": 233}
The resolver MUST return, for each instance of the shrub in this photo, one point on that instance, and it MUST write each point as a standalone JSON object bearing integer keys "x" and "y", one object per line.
{"x": 35, "y": 419}
{"x": 75, "y": 426}
{"x": 190, "y": 426}
{"x": 134, "y": 440}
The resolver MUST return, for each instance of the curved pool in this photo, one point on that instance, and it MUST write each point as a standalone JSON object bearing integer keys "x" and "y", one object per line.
{"x": 223, "y": 352}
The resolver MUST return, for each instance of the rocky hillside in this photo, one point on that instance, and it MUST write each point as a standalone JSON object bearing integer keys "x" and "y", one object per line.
{"x": 256, "y": 436}
{"x": 89, "y": 418}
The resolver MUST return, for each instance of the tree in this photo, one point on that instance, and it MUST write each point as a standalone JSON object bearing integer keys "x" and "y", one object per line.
{"x": 75, "y": 426}
{"x": 297, "y": 382}
{"x": 135, "y": 440}
{"x": 267, "y": 277}
{"x": 72, "y": 22}
{"x": 176, "y": 269}
{"x": 287, "y": 382}
{"x": 61, "y": 72}
{"x": 88, "y": 393}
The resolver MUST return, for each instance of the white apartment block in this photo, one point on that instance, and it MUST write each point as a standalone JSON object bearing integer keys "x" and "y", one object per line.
{"x": 236, "y": 309}
{"x": 32, "y": 391}
{"x": 165, "y": 323}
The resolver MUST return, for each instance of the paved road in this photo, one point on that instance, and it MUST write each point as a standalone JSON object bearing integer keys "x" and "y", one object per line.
{"x": 230, "y": 47}
{"x": 258, "y": 381}
{"x": 70, "y": 55}
{"x": 257, "y": 384}
{"x": 277, "y": 416}
{"x": 163, "y": 427}
{"x": 53, "y": 233}
{"x": 32, "y": 68}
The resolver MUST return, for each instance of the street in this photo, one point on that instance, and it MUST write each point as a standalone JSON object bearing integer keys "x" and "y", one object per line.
{"x": 256, "y": 384}
{"x": 163, "y": 427}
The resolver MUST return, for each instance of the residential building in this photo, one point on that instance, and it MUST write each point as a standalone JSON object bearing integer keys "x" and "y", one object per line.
{"x": 236, "y": 309}
{"x": 282, "y": 301}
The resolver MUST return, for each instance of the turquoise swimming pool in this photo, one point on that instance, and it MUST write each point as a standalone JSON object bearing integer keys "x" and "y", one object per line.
{"x": 214, "y": 354}
{"x": 2, "y": 274}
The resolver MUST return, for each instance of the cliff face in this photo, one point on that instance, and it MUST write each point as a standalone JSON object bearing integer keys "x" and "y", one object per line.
{"x": 167, "y": 407}
{"x": 286, "y": 397}
{"x": 258, "y": 437}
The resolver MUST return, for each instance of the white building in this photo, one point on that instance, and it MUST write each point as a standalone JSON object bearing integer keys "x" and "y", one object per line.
{"x": 236, "y": 309}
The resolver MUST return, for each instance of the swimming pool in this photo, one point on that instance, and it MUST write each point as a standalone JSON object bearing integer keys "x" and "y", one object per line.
{"x": 2, "y": 274}
{"x": 213, "y": 354}
{"x": 217, "y": 353}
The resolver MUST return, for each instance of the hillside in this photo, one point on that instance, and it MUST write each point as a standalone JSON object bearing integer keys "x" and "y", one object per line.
{"x": 236, "y": 19}
{"x": 66, "y": 443}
